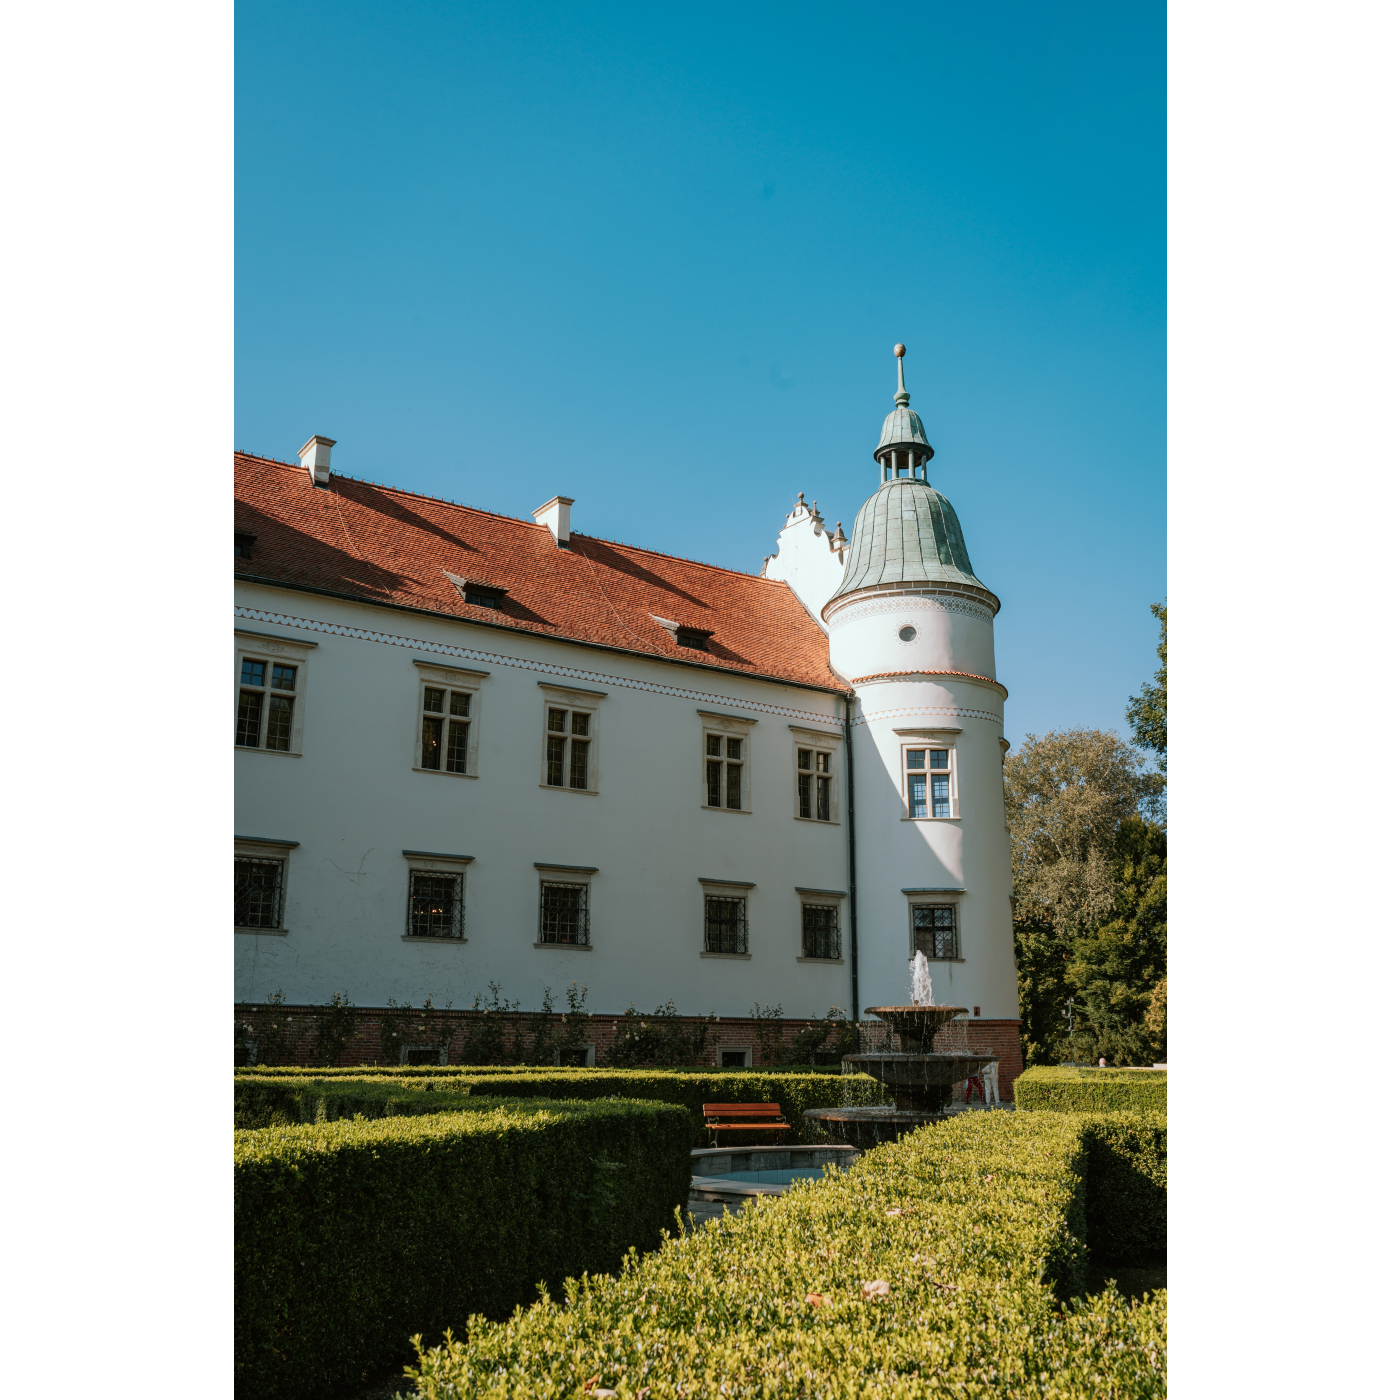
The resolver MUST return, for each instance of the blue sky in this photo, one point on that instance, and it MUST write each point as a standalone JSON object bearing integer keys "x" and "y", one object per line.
{"x": 656, "y": 258}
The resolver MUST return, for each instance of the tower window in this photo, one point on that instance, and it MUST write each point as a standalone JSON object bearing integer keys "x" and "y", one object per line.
{"x": 936, "y": 930}
{"x": 928, "y": 780}
{"x": 901, "y": 464}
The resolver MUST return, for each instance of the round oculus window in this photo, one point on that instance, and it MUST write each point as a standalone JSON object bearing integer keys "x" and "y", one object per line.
{"x": 907, "y": 634}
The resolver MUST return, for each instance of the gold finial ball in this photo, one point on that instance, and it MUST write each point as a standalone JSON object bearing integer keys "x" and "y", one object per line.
{"x": 899, "y": 350}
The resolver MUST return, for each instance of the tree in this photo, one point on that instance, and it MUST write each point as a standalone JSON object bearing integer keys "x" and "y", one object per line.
{"x": 1068, "y": 793}
{"x": 1147, "y": 710}
{"x": 1116, "y": 968}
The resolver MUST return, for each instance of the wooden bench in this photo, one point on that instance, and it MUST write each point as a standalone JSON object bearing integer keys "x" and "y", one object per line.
{"x": 743, "y": 1117}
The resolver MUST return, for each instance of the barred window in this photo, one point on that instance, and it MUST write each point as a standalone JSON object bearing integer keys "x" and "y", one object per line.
{"x": 568, "y": 744}
{"x": 434, "y": 904}
{"x": 257, "y": 892}
{"x": 563, "y": 912}
{"x": 814, "y": 785}
{"x": 266, "y": 698}
{"x": 936, "y": 930}
{"x": 928, "y": 778}
{"x": 821, "y": 933}
{"x": 724, "y": 771}
{"x": 726, "y": 924}
{"x": 446, "y": 727}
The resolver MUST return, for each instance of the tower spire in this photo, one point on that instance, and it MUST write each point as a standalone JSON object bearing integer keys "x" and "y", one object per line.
{"x": 902, "y": 397}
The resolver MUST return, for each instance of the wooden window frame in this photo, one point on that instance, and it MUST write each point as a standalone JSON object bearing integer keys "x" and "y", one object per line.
{"x": 433, "y": 675}
{"x": 816, "y": 741}
{"x": 726, "y": 727}
{"x": 573, "y": 701}
{"x": 272, "y": 651}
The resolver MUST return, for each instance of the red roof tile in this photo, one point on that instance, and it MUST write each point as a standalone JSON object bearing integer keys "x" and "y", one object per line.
{"x": 389, "y": 546}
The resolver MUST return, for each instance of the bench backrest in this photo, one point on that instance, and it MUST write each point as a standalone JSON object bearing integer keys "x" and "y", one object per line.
{"x": 744, "y": 1110}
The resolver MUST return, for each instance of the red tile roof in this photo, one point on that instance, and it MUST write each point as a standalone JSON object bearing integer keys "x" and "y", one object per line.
{"x": 384, "y": 545}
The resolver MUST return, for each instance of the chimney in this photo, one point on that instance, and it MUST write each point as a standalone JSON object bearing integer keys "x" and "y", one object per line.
{"x": 555, "y": 514}
{"x": 316, "y": 458}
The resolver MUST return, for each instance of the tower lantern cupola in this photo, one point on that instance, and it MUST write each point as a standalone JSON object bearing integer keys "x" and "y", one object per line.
{"x": 904, "y": 449}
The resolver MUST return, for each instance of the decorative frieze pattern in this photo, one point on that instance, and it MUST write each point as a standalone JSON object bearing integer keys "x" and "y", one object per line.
{"x": 904, "y": 602}
{"x": 577, "y": 673}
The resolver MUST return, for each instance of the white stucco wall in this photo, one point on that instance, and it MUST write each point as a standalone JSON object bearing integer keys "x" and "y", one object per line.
{"x": 950, "y": 634}
{"x": 970, "y": 850}
{"x": 353, "y": 803}
{"x": 810, "y": 559}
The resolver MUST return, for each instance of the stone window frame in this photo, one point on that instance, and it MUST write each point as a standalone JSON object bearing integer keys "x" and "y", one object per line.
{"x": 270, "y": 650}
{"x": 574, "y": 700}
{"x": 438, "y": 676}
{"x": 269, "y": 849}
{"x": 938, "y": 895}
{"x": 564, "y": 875}
{"x": 727, "y": 889}
{"x": 819, "y": 741}
{"x": 722, "y": 1050}
{"x": 727, "y": 727}
{"x": 435, "y": 863}
{"x": 929, "y": 738}
{"x": 826, "y": 898}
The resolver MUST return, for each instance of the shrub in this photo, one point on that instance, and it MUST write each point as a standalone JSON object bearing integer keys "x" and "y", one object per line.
{"x": 336, "y": 1023}
{"x": 661, "y": 1039}
{"x": 349, "y": 1237}
{"x": 944, "y": 1264}
{"x": 1127, "y": 1193}
{"x": 265, "y": 1098}
{"x": 1063, "y": 1089}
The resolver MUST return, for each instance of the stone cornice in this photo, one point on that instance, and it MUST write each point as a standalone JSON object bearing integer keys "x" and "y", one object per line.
{"x": 933, "y": 676}
{"x": 913, "y": 589}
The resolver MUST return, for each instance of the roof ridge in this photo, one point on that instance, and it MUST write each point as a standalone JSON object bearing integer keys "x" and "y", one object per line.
{"x": 514, "y": 519}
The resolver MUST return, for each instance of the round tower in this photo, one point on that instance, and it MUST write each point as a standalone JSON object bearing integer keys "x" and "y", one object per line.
{"x": 911, "y": 632}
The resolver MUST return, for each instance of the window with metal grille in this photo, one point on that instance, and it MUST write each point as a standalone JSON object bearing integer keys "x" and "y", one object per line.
{"x": 266, "y": 697}
{"x": 814, "y": 785}
{"x": 434, "y": 904}
{"x": 724, "y": 772}
{"x": 257, "y": 892}
{"x": 568, "y": 736}
{"x": 821, "y": 933}
{"x": 563, "y": 912}
{"x": 726, "y": 924}
{"x": 936, "y": 930}
{"x": 446, "y": 727}
{"x": 928, "y": 778}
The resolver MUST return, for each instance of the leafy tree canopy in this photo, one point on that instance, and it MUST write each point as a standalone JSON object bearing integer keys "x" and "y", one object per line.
{"x": 1147, "y": 710}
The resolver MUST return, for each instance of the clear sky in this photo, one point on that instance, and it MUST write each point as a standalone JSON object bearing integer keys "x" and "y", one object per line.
{"x": 656, "y": 257}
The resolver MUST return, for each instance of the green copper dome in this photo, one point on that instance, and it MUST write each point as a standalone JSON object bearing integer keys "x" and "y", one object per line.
{"x": 907, "y": 533}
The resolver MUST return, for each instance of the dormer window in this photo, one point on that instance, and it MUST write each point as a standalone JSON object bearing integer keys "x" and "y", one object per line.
{"x": 696, "y": 638}
{"x": 481, "y": 595}
{"x": 243, "y": 545}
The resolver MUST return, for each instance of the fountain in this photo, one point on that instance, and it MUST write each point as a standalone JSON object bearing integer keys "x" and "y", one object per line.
{"x": 920, "y": 1078}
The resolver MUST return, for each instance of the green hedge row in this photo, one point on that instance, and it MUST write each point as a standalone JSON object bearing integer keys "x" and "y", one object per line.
{"x": 943, "y": 1265}
{"x": 1127, "y": 1191}
{"x": 261, "y": 1099}
{"x": 443, "y": 1071}
{"x": 1062, "y": 1089}
{"x": 349, "y": 1237}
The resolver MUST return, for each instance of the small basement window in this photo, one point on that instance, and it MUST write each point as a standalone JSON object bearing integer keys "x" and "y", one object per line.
{"x": 243, "y": 545}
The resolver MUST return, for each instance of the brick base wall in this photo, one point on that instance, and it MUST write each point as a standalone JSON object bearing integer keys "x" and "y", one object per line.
{"x": 300, "y": 1025}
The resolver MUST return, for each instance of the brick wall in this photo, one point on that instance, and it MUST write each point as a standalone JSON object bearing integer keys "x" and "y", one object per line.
{"x": 999, "y": 1038}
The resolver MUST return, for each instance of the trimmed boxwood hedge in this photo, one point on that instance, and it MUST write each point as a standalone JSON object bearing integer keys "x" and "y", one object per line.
{"x": 261, "y": 1099}
{"x": 1063, "y": 1089}
{"x": 351, "y": 1236}
{"x": 945, "y": 1264}
{"x": 1127, "y": 1189}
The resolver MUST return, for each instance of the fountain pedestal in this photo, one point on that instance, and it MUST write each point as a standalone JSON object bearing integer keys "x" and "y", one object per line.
{"x": 919, "y": 1078}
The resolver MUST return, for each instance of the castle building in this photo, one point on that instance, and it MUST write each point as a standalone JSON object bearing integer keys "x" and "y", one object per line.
{"x": 472, "y": 749}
